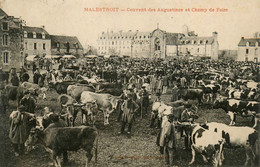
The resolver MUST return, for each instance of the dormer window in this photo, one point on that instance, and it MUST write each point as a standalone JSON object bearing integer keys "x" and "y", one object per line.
{"x": 43, "y": 35}
{"x": 34, "y": 34}
{"x": 5, "y": 26}
{"x": 256, "y": 44}
{"x": 77, "y": 45}
{"x": 247, "y": 44}
{"x": 25, "y": 34}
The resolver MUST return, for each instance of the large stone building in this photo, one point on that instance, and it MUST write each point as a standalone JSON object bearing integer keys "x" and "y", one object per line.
{"x": 131, "y": 43}
{"x": 37, "y": 41}
{"x": 157, "y": 44}
{"x": 199, "y": 46}
{"x": 248, "y": 49}
{"x": 11, "y": 42}
{"x": 66, "y": 45}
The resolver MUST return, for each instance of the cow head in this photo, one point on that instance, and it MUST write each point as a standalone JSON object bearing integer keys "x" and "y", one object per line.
{"x": 41, "y": 93}
{"x": 33, "y": 138}
{"x": 220, "y": 100}
{"x": 39, "y": 123}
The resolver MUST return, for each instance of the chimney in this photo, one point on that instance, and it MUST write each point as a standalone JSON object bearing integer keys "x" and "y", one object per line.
{"x": 215, "y": 34}
{"x": 120, "y": 31}
{"x": 129, "y": 30}
{"x": 43, "y": 27}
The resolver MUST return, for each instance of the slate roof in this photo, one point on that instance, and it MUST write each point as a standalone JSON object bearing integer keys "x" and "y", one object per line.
{"x": 72, "y": 40}
{"x": 198, "y": 40}
{"x": 172, "y": 38}
{"x": 37, "y": 30}
{"x": 252, "y": 41}
{"x": 2, "y": 13}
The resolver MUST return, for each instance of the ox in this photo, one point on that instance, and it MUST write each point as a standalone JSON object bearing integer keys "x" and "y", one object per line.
{"x": 245, "y": 137}
{"x": 233, "y": 107}
{"x": 193, "y": 94}
{"x": 58, "y": 140}
{"x": 105, "y": 102}
{"x": 76, "y": 90}
{"x": 208, "y": 143}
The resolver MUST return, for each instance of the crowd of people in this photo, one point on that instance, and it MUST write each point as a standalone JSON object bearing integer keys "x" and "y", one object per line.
{"x": 143, "y": 78}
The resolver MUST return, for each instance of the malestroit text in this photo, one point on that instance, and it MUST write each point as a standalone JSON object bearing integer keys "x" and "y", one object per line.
{"x": 165, "y": 10}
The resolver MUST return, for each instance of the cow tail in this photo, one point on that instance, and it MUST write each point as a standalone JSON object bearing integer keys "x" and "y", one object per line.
{"x": 96, "y": 148}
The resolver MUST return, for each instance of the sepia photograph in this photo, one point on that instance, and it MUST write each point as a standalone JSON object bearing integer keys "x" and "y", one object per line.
{"x": 138, "y": 83}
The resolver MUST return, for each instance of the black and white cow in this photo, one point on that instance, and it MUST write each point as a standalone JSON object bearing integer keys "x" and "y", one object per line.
{"x": 208, "y": 143}
{"x": 234, "y": 136}
{"x": 244, "y": 108}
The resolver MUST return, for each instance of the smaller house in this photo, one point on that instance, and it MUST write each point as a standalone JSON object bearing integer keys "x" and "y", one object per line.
{"x": 248, "y": 49}
{"x": 66, "y": 45}
{"x": 37, "y": 41}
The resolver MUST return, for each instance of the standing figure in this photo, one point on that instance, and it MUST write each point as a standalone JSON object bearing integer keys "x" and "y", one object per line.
{"x": 28, "y": 102}
{"x": 19, "y": 128}
{"x": 170, "y": 140}
{"x": 129, "y": 108}
{"x": 144, "y": 100}
{"x": 14, "y": 79}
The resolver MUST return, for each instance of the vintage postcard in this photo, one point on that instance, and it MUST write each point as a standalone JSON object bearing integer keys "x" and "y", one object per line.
{"x": 129, "y": 83}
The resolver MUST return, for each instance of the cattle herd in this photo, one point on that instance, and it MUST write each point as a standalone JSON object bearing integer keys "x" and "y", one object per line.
{"x": 192, "y": 85}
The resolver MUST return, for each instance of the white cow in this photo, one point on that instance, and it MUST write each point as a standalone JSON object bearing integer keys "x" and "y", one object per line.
{"x": 242, "y": 136}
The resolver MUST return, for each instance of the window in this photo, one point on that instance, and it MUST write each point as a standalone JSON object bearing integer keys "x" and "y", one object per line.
{"x": 43, "y": 35}
{"x": 5, "y": 26}
{"x": 247, "y": 51}
{"x": 6, "y": 58}
{"x": 25, "y": 34}
{"x": 198, "y": 50}
{"x": 112, "y": 42}
{"x": 256, "y": 51}
{"x": 35, "y": 45}
{"x": 77, "y": 45}
{"x": 43, "y": 46}
{"x": 34, "y": 34}
{"x": 5, "y": 39}
{"x": 68, "y": 47}
{"x": 25, "y": 45}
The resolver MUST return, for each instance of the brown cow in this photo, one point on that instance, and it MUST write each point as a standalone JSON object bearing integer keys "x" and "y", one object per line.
{"x": 58, "y": 140}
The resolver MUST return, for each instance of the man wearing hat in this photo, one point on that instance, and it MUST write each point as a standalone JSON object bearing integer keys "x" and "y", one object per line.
{"x": 19, "y": 129}
{"x": 170, "y": 140}
{"x": 144, "y": 100}
{"x": 129, "y": 108}
{"x": 28, "y": 102}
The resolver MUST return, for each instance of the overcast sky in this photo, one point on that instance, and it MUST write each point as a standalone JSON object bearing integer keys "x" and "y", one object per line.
{"x": 67, "y": 17}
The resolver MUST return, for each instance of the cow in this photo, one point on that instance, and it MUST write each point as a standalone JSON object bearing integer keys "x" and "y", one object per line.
{"x": 76, "y": 90}
{"x": 208, "y": 143}
{"x": 210, "y": 91}
{"x": 106, "y": 102}
{"x": 178, "y": 103}
{"x": 233, "y": 107}
{"x": 193, "y": 94}
{"x": 242, "y": 136}
{"x": 57, "y": 140}
{"x": 61, "y": 87}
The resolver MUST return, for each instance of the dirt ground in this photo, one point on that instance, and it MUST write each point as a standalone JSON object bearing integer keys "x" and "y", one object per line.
{"x": 117, "y": 150}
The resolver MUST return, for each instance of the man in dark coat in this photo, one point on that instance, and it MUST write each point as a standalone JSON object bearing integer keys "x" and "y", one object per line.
{"x": 15, "y": 80}
{"x": 28, "y": 102}
{"x": 36, "y": 76}
{"x": 19, "y": 128}
{"x": 144, "y": 100}
{"x": 25, "y": 77}
{"x": 170, "y": 140}
{"x": 129, "y": 108}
